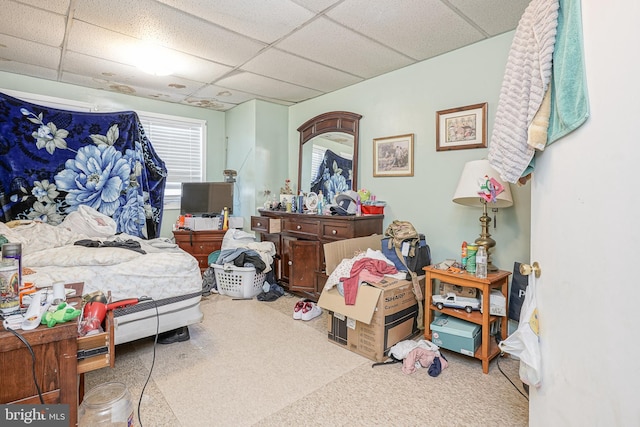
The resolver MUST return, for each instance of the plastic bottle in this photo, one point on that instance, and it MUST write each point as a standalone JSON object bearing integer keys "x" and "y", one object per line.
{"x": 320, "y": 202}
{"x": 225, "y": 218}
{"x": 358, "y": 206}
{"x": 301, "y": 203}
{"x": 481, "y": 263}
{"x": 463, "y": 257}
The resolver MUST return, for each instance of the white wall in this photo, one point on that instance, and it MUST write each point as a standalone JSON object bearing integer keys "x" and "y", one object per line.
{"x": 406, "y": 101}
{"x": 585, "y": 235}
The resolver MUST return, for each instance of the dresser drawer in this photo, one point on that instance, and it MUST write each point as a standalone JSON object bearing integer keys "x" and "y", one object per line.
{"x": 266, "y": 225}
{"x": 300, "y": 226}
{"x": 337, "y": 230}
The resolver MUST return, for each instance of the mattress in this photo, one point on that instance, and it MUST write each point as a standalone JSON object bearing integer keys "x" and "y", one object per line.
{"x": 128, "y": 267}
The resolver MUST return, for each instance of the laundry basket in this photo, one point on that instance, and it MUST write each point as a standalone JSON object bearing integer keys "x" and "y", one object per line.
{"x": 239, "y": 282}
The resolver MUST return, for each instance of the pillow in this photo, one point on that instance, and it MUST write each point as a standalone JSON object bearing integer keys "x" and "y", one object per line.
{"x": 86, "y": 220}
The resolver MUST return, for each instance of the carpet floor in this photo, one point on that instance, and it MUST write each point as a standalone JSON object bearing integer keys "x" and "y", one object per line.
{"x": 249, "y": 363}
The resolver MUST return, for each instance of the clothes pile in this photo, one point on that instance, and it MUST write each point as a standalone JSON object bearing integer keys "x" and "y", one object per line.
{"x": 369, "y": 266}
{"x": 415, "y": 355}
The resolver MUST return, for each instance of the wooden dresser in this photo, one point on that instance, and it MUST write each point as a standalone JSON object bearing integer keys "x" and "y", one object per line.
{"x": 299, "y": 239}
{"x": 199, "y": 244}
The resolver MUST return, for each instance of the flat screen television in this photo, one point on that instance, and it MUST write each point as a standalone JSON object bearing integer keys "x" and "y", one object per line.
{"x": 206, "y": 198}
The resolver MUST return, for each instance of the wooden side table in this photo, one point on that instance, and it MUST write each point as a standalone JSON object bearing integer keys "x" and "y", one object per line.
{"x": 496, "y": 280}
{"x": 56, "y": 366}
{"x": 200, "y": 244}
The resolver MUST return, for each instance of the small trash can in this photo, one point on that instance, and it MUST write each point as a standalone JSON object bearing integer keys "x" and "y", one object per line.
{"x": 108, "y": 404}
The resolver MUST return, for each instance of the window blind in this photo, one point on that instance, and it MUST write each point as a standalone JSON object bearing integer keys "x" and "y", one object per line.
{"x": 180, "y": 143}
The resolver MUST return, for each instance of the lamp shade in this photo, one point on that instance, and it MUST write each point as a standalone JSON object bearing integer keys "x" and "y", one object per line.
{"x": 473, "y": 175}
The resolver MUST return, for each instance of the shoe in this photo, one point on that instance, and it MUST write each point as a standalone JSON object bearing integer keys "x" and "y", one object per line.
{"x": 297, "y": 309}
{"x": 176, "y": 335}
{"x": 310, "y": 311}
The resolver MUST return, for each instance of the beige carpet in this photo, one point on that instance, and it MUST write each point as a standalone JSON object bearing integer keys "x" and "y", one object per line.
{"x": 249, "y": 363}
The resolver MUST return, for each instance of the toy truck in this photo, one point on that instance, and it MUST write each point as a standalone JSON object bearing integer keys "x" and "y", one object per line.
{"x": 452, "y": 300}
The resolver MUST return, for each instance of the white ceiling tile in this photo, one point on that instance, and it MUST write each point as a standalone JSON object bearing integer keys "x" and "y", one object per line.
{"x": 51, "y": 26}
{"x": 317, "y": 5}
{"x": 267, "y": 87}
{"x": 127, "y": 89}
{"x": 210, "y": 103}
{"x": 223, "y": 94}
{"x": 29, "y": 52}
{"x": 113, "y": 72}
{"x": 266, "y": 20}
{"x": 158, "y": 23}
{"x": 281, "y": 65}
{"x": 57, "y": 6}
{"x": 29, "y": 70}
{"x": 326, "y": 42}
{"x": 494, "y": 16}
{"x": 400, "y": 24}
{"x": 92, "y": 40}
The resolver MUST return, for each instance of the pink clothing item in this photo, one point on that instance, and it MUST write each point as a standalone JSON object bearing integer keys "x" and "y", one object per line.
{"x": 375, "y": 268}
{"x": 423, "y": 356}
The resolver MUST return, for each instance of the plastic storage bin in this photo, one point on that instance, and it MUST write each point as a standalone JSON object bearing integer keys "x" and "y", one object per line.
{"x": 108, "y": 404}
{"x": 239, "y": 282}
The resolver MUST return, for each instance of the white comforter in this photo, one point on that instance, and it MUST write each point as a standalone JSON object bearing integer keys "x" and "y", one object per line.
{"x": 163, "y": 271}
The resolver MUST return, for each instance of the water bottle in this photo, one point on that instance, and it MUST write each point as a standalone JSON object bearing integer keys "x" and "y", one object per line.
{"x": 481, "y": 262}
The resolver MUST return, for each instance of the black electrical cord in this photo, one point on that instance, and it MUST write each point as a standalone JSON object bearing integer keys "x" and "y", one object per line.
{"x": 153, "y": 360}
{"x": 505, "y": 375}
{"x": 33, "y": 362}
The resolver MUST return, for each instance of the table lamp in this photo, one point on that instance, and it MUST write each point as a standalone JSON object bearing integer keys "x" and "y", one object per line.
{"x": 479, "y": 186}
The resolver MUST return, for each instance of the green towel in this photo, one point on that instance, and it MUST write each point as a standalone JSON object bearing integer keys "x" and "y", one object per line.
{"x": 569, "y": 98}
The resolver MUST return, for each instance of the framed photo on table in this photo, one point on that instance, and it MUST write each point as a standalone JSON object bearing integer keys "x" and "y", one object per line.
{"x": 393, "y": 156}
{"x": 462, "y": 127}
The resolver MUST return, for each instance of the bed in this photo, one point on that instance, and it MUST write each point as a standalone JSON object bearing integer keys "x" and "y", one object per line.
{"x": 71, "y": 252}
{"x": 67, "y": 176}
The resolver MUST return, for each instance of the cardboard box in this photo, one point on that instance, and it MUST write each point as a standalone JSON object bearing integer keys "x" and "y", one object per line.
{"x": 461, "y": 291}
{"x": 384, "y": 313}
{"x": 456, "y": 334}
{"x": 197, "y": 223}
{"x": 497, "y": 304}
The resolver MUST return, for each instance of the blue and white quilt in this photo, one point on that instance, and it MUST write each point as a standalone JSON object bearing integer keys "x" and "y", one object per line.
{"x": 53, "y": 161}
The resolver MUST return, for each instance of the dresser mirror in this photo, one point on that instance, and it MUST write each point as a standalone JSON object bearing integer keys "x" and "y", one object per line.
{"x": 328, "y": 160}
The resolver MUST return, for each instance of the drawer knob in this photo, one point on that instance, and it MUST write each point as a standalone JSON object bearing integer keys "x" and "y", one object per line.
{"x": 334, "y": 231}
{"x": 299, "y": 227}
{"x": 259, "y": 224}
{"x": 290, "y": 263}
{"x": 201, "y": 247}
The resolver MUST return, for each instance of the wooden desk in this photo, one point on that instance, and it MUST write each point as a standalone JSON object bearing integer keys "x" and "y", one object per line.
{"x": 497, "y": 280}
{"x": 56, "y": 367}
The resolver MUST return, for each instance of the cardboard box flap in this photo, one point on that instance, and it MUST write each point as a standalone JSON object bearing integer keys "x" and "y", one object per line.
{"x": 335, "y": 252}
{"x": 363, "y": 310}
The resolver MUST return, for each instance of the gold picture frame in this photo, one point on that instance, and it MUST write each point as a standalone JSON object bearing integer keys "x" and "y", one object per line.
{"x": 393, "y": 156}
{"x": 461, "y": 128}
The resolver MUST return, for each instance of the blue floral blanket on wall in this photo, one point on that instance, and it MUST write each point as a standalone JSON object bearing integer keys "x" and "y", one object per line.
{"x": 334, "y": 175}
{"x": 52, "y": 161}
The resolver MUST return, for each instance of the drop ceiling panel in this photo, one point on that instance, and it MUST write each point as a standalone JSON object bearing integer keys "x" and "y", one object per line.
{"x": 223, "y": 94}
{"x": 494, "y": 16}
{"x": 400, "y": 23}
{"x": 158, "y": 23}
{"x": 113, "y": 72}
{"x": 317, "y": 5}
{"x": 29, "y": 52}
{"x": 28, "y": 70}
{"x": 57, "y": 6}
{"x": 127, "y": 89}
{"x": 328, "y": 43}
{"x": 267, "y": 87}
{"x": 226, "y": 52}
{"x": 13, "y": 18}
{"x": 266, "y": 20}
{"x": 281, "y": 65}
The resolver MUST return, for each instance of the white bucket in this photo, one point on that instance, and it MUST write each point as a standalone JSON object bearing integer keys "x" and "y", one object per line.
{"x": 108, "y": 404}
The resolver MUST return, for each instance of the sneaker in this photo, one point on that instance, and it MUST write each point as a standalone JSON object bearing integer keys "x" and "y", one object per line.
{"x": 297, "y": 309}
{"x": 175, "y": 335}
{"x": 310, "y": 311}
